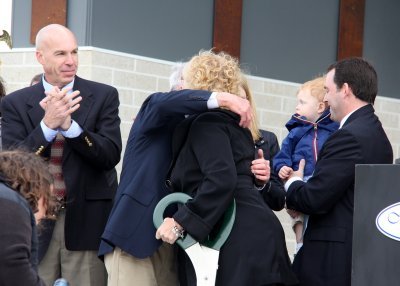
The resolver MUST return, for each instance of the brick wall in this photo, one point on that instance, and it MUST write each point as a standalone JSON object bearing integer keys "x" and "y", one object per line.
{"x": 136, "y": 77}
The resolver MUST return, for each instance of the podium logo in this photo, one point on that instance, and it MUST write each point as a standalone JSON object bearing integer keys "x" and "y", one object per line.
{"x": 388, "y": 221}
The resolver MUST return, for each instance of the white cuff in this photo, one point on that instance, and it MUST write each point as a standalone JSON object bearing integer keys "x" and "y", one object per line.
{"x": 290, "y": 181}
{"x": 48, "y": 133}
{"x": 74, "y": 130}
{"x": 212, "y": 102}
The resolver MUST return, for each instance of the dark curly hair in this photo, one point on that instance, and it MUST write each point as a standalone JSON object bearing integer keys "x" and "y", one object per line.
{"x": 29, "y": 175}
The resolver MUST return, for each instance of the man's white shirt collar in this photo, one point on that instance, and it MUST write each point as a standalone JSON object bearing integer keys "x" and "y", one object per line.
{"x": 343, "y": 121}
{"x": 47, "y": 86}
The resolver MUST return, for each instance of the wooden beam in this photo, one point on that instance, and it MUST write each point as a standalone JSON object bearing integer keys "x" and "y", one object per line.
{"x": 351, "y": 28}
{"x": 45, "y": 12}
{"x": 227, "y": 26}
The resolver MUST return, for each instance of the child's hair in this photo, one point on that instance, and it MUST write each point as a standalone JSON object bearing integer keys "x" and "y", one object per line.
{"x": 316, "y": 88}
{"x": 29, "y": 175}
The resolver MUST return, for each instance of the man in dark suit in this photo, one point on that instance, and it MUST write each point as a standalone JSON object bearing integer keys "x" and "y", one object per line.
{"x": 132, "y": 254}
{"x": 81, "y": 118}
{"x": 328, "y": 196}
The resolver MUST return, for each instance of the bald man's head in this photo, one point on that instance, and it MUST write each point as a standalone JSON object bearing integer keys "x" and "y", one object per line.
{"x": 57, "y": 52}
{"x": 49, "y": 31}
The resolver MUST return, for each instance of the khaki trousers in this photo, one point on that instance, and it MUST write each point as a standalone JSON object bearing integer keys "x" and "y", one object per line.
{"x": 158, "y": 270}
{"x": 79, "y": 268}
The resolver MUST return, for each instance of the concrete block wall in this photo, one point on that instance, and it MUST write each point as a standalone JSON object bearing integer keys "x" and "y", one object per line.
{"x": 136, "y": 77}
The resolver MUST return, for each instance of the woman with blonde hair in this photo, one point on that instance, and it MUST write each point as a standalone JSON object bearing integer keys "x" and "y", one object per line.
{"x": 213, "y": 167}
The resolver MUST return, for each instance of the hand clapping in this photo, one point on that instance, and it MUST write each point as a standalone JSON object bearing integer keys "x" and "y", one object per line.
{"x": 58, "y": 106}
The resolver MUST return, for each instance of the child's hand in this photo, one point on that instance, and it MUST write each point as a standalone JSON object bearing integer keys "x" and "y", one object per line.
{"x": 285, "y": 172}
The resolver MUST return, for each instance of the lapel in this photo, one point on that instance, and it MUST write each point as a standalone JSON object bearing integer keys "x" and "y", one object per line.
{"x": 82, "y": 113}
{"x": 35, "y": 112}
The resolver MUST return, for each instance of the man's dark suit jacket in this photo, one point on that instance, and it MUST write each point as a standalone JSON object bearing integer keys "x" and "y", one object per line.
{"x": 88, "y": 161}
{"x": 145, "y": 166}
{"x": 328, "y": 197}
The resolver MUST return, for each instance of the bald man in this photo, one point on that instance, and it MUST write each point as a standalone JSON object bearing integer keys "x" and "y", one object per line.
{"x": 74, "y": 124}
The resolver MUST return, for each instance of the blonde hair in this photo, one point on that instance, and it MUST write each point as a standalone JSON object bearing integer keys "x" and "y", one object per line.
{"x": 254, "y": 129}
{"x": 213, "y": 72}
{"x": 218, "y": 72}
{"x": 316, "y": 88}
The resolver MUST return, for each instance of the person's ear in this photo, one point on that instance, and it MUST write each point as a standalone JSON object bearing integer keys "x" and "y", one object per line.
{"x": 39, "y": 57}
{"x": 321, "y": 107}
{"x": 347, "y": 89}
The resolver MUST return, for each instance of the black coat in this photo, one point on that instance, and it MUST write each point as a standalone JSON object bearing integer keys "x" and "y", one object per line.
{"x": 328, "y": 197}
{"x": 213, "y": 167}
{"x": 18, "y": 241}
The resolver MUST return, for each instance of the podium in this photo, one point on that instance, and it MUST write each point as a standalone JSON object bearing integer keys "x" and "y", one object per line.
{"x": 376, "y": 231}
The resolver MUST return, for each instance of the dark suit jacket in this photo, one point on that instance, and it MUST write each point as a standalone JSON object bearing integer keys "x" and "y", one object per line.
{"x": 144, "y": 170}
{"x": 328, "y": 197}
{"x": 88, "y": 160}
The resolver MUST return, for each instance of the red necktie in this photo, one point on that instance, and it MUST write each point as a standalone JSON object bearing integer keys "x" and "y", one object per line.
{"x": 56, "y": 167}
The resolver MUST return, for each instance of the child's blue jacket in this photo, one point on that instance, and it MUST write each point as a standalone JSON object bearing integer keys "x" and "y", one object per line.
{"x": 305, "y": 140}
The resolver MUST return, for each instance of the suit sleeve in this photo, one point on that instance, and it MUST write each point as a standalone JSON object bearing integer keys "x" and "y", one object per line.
{"x": 211, "y": 147}
{"x": 15, "y": 250}
{"x": 159, "y": 108}
{"x": 333, "y": 176}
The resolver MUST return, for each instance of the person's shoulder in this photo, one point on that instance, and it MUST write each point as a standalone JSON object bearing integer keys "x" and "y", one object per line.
{"x": 268, "y": 135}
{"x": 21, "y": 93}
{"x": 218, "y": 115}
{"x": 8, "y": 194}
{"x": 361, "y": 116}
